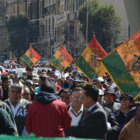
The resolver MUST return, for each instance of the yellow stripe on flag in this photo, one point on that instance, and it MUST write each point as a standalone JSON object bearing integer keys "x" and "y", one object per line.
{"x": 64, "y": 63}
{"x": 33, "y": 59}
{"x": 87, "y": 54}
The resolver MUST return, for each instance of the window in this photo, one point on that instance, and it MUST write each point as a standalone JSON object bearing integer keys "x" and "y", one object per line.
{"x": 46, "y": 26}
{"x": 49, "y": 25}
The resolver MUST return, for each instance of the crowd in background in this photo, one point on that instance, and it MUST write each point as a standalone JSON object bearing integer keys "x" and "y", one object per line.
{"x": 50, "y": 104}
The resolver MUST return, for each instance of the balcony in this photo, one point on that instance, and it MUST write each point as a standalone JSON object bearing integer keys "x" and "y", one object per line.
{"x": 61, "y": 18}
{"x": 50, "y": 9}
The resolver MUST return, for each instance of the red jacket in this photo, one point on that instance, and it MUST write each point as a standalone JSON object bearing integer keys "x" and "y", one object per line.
{"x": 48, "y": 120}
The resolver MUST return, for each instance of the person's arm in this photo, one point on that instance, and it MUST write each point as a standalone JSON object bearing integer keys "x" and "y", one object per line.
{"x": 28, "y": 121}
{"x": 6, "y": 124}
{"x": 66, "y": 118}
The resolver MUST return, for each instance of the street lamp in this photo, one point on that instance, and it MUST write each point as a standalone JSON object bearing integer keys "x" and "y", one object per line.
{"x": 87, "y": 24}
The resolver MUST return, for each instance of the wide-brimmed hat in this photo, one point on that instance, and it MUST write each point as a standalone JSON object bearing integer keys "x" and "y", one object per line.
{"x": 110, "y": 90}
{"x": 101, "y": 93}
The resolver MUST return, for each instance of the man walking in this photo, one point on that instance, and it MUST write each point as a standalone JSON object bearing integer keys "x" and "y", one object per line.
{"x": 18, "y": 106}
{"x": 48, "y": 116}
{"x": 94, "y": 124}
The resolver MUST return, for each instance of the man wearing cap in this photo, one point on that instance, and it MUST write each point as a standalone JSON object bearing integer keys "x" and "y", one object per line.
{"x": 125, "y": 114}
{"x": 112, "y": 124}
{"x": 99, "y": 83}
{"x": 68, "y": 83}
{"x": 131, "y": 130}
{"x": 109, "y": 97}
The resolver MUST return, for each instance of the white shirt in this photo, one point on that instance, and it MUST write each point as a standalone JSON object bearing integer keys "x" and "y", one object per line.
{"x": 15, "y": 109}
{"x": 75, "y": 116}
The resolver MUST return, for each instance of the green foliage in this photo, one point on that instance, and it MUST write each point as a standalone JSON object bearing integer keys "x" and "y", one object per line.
{"x": 103, "y": 20}
{"x": 18, "y": 34}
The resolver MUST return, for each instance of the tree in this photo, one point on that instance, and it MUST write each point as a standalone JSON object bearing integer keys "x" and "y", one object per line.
{"x": 103, "y": 20}
{"x": 18, "y": 28}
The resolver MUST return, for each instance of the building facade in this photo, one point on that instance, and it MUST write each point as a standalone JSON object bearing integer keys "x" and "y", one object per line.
{"x": 133, "y": 10}
{"x": 120, "y": 10}
{"x": 61, "y": 26}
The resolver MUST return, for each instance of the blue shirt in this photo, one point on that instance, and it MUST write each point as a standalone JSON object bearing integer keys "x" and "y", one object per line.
{"x": 89, "y": 109}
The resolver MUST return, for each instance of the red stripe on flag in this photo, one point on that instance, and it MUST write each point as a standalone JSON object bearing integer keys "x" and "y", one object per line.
{"x": 34, "y": 53}
{"x": 67, "y": 57}
{"x": 96, "y": 48}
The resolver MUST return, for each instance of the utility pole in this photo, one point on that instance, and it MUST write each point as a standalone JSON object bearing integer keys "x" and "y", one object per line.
{"x": 41, "y": 23}
{"x": 87, "y": 24}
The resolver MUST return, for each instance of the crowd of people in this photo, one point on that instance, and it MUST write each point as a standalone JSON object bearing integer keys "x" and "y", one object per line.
{"x": 49, "y": 104}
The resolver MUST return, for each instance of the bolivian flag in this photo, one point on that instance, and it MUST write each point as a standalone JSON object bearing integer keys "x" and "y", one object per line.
{"x": 89, "y": 61}
{"x": 30, "y": 57}
{"x": 123, "y": 65}
{"x": 61, "y": 59}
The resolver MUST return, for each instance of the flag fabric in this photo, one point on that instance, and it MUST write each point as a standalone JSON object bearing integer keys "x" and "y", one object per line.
{"x": 30, "y": 57}
{"x": 12, "y": 62}
{"x": 123, "y": 65}
{"x": 61, "y": 59}
{"x": 89, "y": 61}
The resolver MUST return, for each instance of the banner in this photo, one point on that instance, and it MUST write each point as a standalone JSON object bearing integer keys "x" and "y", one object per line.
{"x": 89, "y": 61}
{"x": 123, "y": 65}
{"x": 30, "y": 57}
{"x": 2, "y": 137}
{"x": 61, "y": 59}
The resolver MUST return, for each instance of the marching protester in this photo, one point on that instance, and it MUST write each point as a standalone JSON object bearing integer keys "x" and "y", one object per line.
{"x": 18, "y": 106}
{"x": 5, "y": 87}
{"x": 112, "y": 124}
{"x": 109, "y": 97}
{"x": 4, "y": 106}
{"x": 29, "y": 73}
{"x": 6, "y": 125}
{"x": 94, "y": 123}
{"x": 26, "y": 93}
{"x": 64, "y": 94}
{"x": 76, "y": 107}
{"x": 131, "y": 130}
{"x": 48, "y": 116}
{"x": 126, "y": 112}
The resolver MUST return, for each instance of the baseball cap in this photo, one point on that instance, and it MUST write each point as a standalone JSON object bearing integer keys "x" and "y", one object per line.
{"x": 127, "y": 96}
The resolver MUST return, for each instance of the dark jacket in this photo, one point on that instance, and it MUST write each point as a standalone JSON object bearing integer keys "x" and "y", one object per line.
{"x": 122, "y": 118}
{"x": 20, "y": 115}
{"x": 93, "y": 125}
{"x": 113, "y": 132}
{"x": 6, "y": 125}
{"x": 5, "y": 93}
{"x": 48, "y": 116}
{"x": 114, "y": 106}
{"x": 4, "y": 106}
